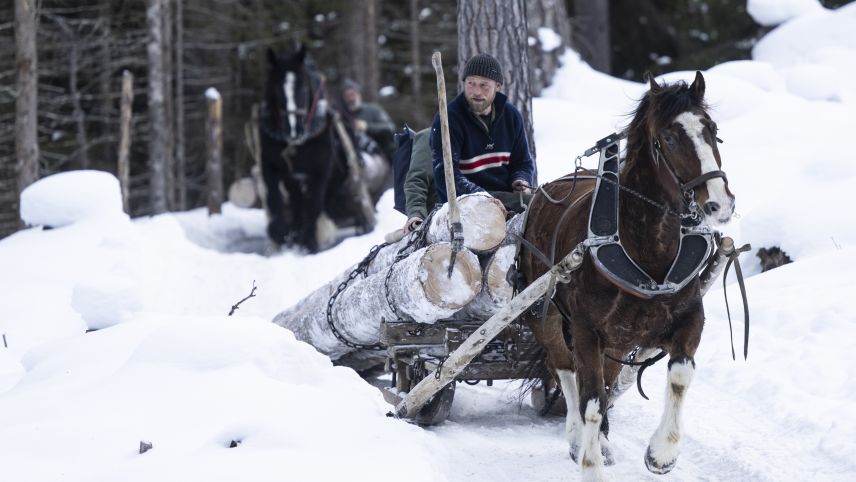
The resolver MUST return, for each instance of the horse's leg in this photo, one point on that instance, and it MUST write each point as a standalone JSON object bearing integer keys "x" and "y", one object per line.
{"x": 548, "y": 332}
{"x": 664, "y": 447}
{"x": 592, "y": 400}
{"x": 277, "y": 228}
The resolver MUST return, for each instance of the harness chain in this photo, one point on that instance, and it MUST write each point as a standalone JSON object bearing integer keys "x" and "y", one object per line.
{"x": 362, "y": 268}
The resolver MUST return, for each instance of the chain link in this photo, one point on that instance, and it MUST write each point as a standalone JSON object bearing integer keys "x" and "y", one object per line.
{"x": 362, "y": 268}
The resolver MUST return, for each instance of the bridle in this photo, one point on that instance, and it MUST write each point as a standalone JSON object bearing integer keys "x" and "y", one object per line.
{"x": 311, "y": 114}
{"x": 686, "y": 188}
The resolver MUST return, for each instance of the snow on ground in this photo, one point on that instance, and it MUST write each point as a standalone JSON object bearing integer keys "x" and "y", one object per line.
{"x": 167, "y": 366}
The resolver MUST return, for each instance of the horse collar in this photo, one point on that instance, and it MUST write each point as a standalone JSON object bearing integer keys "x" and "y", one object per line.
{"x": 611, "y": 259}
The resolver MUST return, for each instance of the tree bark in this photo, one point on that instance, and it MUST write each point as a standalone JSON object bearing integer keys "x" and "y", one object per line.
{"x": 550, "y": 28}
{"x": 415, "y": 53}
{"x": 418, "y": 287}
{"x": 591, "y": 18}
{"x": 157, "y": 115}
{"x": 498, "y": 27}
{"x": 13, "y": 179}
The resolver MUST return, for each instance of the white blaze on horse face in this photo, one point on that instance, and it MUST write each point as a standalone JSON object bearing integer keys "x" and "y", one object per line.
{"x": 290, "y": 105}
{"x": 715, "y": 187}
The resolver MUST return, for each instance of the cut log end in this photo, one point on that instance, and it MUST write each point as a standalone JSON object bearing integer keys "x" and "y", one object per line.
{"x": 483, "y": 220}
{"x": 451, "y": 293}
{"x": 242, "y": 193}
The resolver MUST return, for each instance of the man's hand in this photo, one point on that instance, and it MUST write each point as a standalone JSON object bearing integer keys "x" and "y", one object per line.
{"x": 361, "y": 125}
{"x": 519, "y": 185}
{"x": 412, "y": 224}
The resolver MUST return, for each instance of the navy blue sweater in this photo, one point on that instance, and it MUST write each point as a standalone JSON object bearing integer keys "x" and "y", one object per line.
{"x": 482, "y": 160}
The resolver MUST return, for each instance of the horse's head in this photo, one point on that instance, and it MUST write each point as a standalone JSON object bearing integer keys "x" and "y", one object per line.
{"x": 290, "y": 90}
{"x": 672, "y": 121}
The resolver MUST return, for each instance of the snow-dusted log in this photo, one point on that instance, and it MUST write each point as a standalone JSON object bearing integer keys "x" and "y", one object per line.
{"x": 483, "y": 220}
{"x": 497, "y": 277}
{"x": 496, "y": 285}
{"x": 418, "y": 287}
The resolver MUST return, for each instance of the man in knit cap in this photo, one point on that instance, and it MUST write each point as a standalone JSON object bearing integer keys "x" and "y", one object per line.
{"x": 368, "y": 118}
{"x": 488, "y": 139}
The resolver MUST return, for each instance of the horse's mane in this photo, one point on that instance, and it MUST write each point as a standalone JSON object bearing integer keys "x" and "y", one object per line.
{"x": 657, "y": 108}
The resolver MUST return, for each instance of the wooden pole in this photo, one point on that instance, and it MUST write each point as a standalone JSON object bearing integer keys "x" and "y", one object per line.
{"x": 214, "y": 148}
{"x": 355, "y": 179}
{"x": 457, "y": 231}
{"x": 124, "y": 169}
{"x": 475, "y": 343}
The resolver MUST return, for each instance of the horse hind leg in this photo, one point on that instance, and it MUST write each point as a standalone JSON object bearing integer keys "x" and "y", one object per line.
{"x": 664, "y": 447}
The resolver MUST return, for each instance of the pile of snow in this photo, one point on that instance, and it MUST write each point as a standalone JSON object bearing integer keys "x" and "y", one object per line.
{"x": 69, "y": 197}
{"x": 770, "y": 13}
{"x": 167, "y": 366}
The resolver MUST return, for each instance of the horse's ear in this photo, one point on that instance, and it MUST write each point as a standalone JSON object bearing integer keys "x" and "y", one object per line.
{"x": 652, "y": 84}
{"x": 271, "y": 55}
{"x": 698, "y": 85}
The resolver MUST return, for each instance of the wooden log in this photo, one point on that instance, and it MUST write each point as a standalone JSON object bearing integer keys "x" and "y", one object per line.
{"x": 242, "y": 193}
{"x": 483, "y": 220}
{"x": 418, "y": 286}
{"x": 496, "y": 285}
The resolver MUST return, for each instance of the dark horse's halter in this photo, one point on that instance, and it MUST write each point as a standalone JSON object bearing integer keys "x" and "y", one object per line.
{"x": 314, "y": 117}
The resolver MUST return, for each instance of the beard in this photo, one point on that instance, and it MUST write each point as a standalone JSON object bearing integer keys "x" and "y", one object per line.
{"x": 478, "y": 106}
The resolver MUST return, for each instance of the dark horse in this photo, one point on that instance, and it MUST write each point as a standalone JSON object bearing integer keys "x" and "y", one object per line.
{"x": 596, "y": 319}
{"x": 303, "y": 151}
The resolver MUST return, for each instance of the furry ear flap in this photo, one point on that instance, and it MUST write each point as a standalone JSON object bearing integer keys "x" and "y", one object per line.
{"x": 271, "y": 55}
{"x": 652, "y": 84}
{"x": 697, "y": 87}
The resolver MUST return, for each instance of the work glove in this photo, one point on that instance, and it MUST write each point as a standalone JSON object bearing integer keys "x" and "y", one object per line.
{"x": 519, "y": 185}
{"x": 412, "y": 224}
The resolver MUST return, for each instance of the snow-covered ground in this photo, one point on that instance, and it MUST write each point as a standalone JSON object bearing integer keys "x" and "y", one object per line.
{"x": 168, "y": 367}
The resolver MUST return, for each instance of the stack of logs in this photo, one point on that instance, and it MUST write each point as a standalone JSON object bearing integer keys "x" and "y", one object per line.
{"x": 417, "y": 287}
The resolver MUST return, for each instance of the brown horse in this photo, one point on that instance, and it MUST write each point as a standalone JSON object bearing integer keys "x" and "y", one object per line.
{"x": 671, "y": 184}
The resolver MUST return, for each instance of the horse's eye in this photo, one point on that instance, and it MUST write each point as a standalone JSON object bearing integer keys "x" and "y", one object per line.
{"x": 669, "y": 138}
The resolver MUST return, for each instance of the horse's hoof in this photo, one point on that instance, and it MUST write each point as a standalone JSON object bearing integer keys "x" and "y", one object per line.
{"x": 606, "y": 451}
{"x": 655, "y": 467}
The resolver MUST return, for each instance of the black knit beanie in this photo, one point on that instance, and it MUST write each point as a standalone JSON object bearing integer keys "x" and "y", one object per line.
{"x": 483, "y": 65}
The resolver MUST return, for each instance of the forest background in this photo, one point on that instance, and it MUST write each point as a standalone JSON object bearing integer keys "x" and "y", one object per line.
{"x": 84, "y": 46}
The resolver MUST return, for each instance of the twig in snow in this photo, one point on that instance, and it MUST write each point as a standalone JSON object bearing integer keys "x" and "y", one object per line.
{"x": 251, "y": 295}
{"x": 5, "y": 345}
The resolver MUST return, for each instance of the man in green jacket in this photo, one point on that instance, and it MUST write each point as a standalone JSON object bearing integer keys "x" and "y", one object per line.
{"x": 419, "y": 191}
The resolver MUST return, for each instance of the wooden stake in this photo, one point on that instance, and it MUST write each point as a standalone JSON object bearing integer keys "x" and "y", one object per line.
{"x": 448, "y": 171}
{"x": 214, "y": 148}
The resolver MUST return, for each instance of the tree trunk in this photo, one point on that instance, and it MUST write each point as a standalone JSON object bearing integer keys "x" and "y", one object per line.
{"x": 549, "y": 26}
{"x": 498, "y": 27}
{"x": 124, "y": 169}
{"x": 591, "y": 19}
{"x": 360, "y": 52}
{"x": 180, "y": 164}
{"x": 157, "y": 115}
{"x": 417, "y": 286}
{"x": 167, "y": 53}
{"x": 14, "y": 178}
